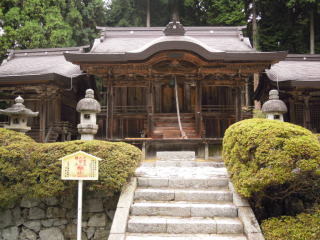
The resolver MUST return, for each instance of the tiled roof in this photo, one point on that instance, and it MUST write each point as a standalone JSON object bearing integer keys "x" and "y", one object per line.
{"x": 39, "y": 62}
{"x": 130, "y": 44}
{"x": 300, "y": 68}
{"x": 128, "y": 39}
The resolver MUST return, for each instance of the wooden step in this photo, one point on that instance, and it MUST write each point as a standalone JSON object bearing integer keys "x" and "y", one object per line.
{"x": 172, "y": 124}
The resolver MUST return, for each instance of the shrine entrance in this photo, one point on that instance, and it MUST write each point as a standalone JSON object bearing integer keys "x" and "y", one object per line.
{"x": 167, "y": 100}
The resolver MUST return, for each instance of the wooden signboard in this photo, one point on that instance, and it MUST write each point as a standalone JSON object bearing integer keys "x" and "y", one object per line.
{"x": 80, "y": 166}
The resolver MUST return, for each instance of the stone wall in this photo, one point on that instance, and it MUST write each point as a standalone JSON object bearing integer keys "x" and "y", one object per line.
{"x": 56, "y": 218}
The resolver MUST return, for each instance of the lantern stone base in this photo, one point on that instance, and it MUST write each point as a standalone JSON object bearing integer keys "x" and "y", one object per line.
{"x": 87, "y": 128}
{"x": 18, "y": 128}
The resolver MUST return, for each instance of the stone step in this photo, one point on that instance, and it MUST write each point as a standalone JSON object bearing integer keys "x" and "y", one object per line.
{"x": 183, "y": 183}
{"x": 150, "y": 194}
{"x": 182, "y": 155}
{"x": 184, "y": 209}
{"x": 163, "y": 236}
{"x": 181, "y": 172}
{"x": 147, "y": 224}
{"x": 172, "y": 163}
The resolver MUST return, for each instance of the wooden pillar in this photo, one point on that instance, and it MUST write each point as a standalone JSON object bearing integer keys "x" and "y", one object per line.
{"x": 187, "y": 97}
{"x": 292, "y": 110}
{"x": 198, "y": 110}
{"x": 150, "y": 109}
{"x": 57, "y": 108}
{"x": 158, "y": 96}
{"x": 238, "y": 103}
{"x": 143, "y": 151}
{"x": 247, "y": 93}
{"x": 206, "y": 151}
{"x": 110, "y": 109}
{"x": 306, "y": 113}
{"x": 43, "y": 117}
{"x": 256, "y": 79}
{"x": 124, "y": 96}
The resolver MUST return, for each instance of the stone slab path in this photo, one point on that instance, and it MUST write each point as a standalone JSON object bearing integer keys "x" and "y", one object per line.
{"x": 180, "y": 198}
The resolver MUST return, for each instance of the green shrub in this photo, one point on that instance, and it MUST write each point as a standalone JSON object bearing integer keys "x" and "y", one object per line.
{"x": 33, "y": 170}
{"x": 305, "y": 226}
{"x": 271, "y": 159}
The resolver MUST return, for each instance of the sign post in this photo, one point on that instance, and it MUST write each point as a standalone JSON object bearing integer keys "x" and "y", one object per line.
{"x": 80, "y": 166}
{"x": 79, "y": 220}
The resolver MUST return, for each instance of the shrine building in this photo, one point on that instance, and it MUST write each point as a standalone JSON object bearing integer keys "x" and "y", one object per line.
{"x": 298, "y": 79}
{"x": 172, "y": 88}
{"x": 49, "y": 85}
{"x": 176, "y": 87}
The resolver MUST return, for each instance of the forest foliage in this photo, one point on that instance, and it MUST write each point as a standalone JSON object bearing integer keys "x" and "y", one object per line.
{"x": 49, "y": 23}
{"x": 282, "y": 25}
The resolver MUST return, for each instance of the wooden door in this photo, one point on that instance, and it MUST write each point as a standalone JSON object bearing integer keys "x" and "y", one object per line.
{"x": 168, "y": 104}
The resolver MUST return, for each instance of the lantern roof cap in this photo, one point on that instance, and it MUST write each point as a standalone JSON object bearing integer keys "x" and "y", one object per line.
{"x": 88, "y": 103}
{"x": 18, "y": 109}
{"x": 274, "y": 104}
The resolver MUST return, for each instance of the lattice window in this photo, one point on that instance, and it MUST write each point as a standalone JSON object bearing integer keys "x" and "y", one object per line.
{"x": 299, "y": 113}
{"x": 315, "y": 117}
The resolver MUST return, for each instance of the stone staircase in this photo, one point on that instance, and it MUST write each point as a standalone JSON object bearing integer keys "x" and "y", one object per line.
{"x": 179, "y": 198}
{"x": 166, "y": 126}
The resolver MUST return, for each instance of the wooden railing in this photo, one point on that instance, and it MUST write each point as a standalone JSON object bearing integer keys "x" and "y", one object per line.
{"x": 125, "y": 109}
{"x": 64, "y": 128}
{"x": 3, "y": 123}
{"x": 218, "y": 108}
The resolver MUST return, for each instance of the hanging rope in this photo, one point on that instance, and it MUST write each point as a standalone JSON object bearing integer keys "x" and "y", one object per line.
{"x": 183, "y": 134}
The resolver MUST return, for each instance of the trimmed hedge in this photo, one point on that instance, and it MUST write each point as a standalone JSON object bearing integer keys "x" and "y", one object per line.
{"x": 33, "y": 170}
{"x": 305, "y": 226}
{"x": 275, "y": 164}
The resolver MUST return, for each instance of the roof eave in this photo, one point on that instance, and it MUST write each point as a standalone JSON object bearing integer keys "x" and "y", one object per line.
{"x": 297, "y": 83}
{"x": 35, "y": 79}
{"x": 272, "y": 57}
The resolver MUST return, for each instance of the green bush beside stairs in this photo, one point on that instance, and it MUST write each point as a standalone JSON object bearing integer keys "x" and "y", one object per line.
{"x": 261, "y": 153}
{"x": 30, "y": 169}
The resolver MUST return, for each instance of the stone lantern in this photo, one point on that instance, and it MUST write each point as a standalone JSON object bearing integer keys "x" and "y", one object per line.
{"x": 274, "y": 108}
{"x": 18, "y": 114}
{"x": 88, "y": 108}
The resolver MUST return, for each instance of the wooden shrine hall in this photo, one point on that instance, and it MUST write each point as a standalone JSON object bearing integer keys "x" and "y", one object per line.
{"x": 178, "y": 85}
{"x": 49, "y": 85}
{"x": 298, "y": 81}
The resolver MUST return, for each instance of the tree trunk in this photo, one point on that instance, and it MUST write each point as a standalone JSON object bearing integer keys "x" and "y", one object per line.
{"x": 312, "y": 28}
{"x": 175, "y": 12}
{"x": 148, "y": 13}
{"x": 254, "y": 25}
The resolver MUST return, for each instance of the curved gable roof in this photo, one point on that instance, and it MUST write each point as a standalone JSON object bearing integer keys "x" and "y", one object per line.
{"x": 137, "y": 44}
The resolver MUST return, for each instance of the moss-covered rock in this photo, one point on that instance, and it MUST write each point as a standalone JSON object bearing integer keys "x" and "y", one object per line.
{"x": 305, "y": 226}
{"x": 274, "y": 164}
{"x": 33, "y": 169}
